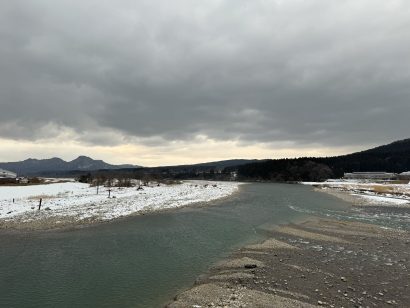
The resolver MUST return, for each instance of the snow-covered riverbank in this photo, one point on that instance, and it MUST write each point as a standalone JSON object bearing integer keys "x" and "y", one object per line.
{"x": 368, "y": 193}
{"x": 79, "y": 202}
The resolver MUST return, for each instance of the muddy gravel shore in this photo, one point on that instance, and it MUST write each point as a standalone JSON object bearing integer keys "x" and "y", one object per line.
{"x": 318, "y": 263}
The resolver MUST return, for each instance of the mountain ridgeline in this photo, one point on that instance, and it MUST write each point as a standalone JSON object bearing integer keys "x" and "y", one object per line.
{"x": 394, "y": 157}
{"x": 57, "y": 165}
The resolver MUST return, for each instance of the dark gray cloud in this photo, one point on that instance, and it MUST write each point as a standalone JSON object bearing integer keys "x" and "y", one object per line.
{"x": 332, "y": 72}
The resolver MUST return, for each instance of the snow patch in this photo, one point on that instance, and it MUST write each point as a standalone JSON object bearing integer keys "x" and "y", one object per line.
{"x": 385, "y": 200}
{"x": 81, "y": 201}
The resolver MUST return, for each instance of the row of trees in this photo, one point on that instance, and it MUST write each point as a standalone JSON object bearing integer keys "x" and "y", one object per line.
{"x": 394, "y": 157}
{"x": 112, "y": 179}
{"x": 285, "y": 170}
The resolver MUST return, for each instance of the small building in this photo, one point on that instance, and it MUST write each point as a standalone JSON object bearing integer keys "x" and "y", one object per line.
{"x": 23, "y": 180}
{"x": 234, "y": 175}
{"x": 371, "y": 176}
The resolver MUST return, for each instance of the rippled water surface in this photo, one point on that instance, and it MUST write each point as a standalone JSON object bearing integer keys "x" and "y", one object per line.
{"x": 144, "y": 261}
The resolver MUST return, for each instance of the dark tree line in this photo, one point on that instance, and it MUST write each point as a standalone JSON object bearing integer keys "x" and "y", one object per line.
{"x": 285, "y": 170}
{"x": 394, "y": 157}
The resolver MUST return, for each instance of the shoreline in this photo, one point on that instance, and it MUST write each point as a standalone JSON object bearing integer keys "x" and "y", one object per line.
{"x": 358, "y": 199}
{"x": 316, "y": 263}
{"x": 366, "y": 194}
{"x": 95, "y": 224}
{"x": 66, "y": 223}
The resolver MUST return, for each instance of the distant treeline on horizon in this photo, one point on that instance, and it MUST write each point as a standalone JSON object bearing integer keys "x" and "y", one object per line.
{"x": 394, "y": 157}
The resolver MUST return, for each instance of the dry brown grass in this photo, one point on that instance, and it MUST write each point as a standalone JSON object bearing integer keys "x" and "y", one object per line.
{"x": 38, "y": 197}
{"x": 382, "y": 189}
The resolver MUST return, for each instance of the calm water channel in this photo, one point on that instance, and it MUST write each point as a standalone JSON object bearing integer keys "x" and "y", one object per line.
{"x": 144, "y": 261}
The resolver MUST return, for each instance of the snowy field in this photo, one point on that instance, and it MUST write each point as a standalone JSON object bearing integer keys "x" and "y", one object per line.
{"x": 79, "y": 201}
{"x": 384, "y": 194}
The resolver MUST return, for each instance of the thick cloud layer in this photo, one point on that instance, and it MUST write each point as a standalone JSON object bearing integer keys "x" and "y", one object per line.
{"x": 329, "y": 72}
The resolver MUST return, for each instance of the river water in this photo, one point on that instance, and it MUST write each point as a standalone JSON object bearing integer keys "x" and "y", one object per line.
{"x": 143, "y": 261}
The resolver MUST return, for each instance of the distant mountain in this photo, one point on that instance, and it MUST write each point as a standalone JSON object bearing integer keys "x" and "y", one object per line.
{"x": 393, "y": 157}
{"x": 39, "y": 166}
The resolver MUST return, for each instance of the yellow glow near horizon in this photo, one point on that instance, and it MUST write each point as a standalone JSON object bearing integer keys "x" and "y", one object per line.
{"x": 174, "y": 153}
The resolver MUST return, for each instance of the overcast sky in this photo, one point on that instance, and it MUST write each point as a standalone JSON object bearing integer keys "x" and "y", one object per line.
{"x": 155, "y": 82}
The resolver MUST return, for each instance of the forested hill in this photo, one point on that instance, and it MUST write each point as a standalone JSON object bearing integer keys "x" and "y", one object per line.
{"x": 394, "y": 157}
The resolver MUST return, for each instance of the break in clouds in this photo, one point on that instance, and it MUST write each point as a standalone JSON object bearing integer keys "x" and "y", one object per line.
{"x": 329, "y": 72}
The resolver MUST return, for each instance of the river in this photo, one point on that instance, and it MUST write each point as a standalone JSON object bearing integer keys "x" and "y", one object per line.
{"x": 143, "y": 261}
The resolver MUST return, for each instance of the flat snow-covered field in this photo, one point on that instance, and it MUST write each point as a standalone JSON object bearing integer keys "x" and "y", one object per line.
{"x": 80, "y": 201}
